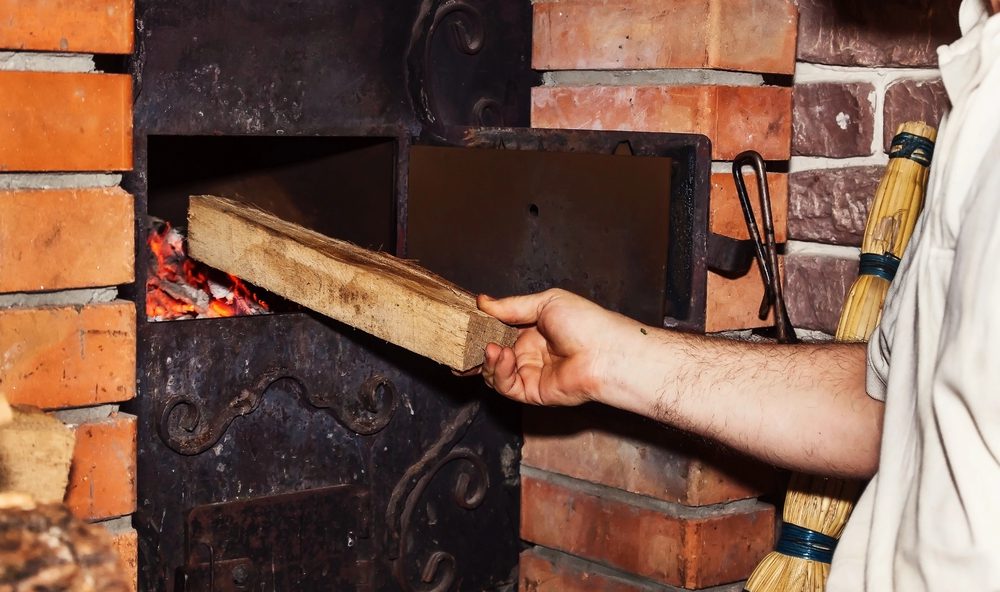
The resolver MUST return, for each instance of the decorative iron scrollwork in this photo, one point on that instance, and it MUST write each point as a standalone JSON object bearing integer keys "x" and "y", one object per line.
{"x": 471, "y": 483}
{"x": 451, "y": 432}
{"x": 467, "y": 32}
{"x": 488, "y": 112}
{"x": 187, "y": 428}
{"x": 367, "y": 413}
{"x": 439, "y": 570}
{"x": 465, "y": 23}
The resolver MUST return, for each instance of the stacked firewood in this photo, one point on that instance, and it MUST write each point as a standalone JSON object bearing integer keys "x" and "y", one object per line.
{"x": 43, "y": 547}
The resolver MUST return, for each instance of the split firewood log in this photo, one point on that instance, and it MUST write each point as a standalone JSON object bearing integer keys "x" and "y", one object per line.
{"x": 43, "y": 547}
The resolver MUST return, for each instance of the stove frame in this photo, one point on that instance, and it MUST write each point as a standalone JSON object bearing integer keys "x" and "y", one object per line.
{"x": 397, "y": 475}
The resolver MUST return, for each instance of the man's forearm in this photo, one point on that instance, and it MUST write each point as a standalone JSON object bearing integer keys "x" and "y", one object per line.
{"x": 803, "y": 407}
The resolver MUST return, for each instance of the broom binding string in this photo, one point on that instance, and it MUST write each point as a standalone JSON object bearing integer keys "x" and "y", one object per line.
{"x": 805, "y": 543}
{"x": 916, "y": 148}
{"x": 883, "y": 266}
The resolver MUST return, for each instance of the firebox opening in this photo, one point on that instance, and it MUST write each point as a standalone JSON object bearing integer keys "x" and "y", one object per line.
{"x": 595, "y": 224}
{"x": 342, "y": 187}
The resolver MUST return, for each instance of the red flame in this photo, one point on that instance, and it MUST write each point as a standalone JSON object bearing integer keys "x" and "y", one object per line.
{"x": 180, "y": 288}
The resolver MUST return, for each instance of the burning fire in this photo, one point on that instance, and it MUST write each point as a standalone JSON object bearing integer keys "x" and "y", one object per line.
{"x": 181, "y": 288}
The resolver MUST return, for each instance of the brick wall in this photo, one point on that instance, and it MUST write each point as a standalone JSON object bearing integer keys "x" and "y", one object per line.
{"x": 862, "y": 69}
{"x": 67, "y": 342}
{"x": 610, "y": 501}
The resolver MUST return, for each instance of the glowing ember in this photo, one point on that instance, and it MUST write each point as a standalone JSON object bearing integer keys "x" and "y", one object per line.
{"x": 181, "y": 288}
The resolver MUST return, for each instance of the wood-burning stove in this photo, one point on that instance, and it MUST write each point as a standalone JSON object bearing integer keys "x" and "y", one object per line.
{"x": 287, "y": 451}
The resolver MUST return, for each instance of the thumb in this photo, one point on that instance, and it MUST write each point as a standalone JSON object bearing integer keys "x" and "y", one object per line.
{"x": 516, "y": 310}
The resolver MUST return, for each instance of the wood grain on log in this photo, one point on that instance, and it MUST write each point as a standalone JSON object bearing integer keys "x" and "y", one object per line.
{"x": 35, "y": 454}
{"x": 388, "y": 297}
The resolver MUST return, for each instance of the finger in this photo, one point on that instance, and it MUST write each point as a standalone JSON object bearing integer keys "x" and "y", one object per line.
{"x": 470, "y": 372}
{"x": 516, "y": 310}
{"x": 506, "y": 380}
{"x": 490, "y": 362}
{"x": 531, "y": 375}
{"x": 529, "y": 350}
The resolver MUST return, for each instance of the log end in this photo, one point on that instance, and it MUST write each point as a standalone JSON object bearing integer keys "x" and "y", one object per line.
{"x": 484, "y": 329}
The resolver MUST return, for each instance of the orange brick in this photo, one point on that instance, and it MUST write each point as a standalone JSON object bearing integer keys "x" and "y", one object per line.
{"x": 735, "y": 118}
{"x": 544, "y": 570}
{"x": 625, "y": 452}
{"x": 732, "y": 304}
{"x": 126, "y": 544}
{"x": 91, "y": 26}
{"x": 57, "y": 121}
{"x": 688, "y": 548}
{"x": 726, "y": 216}
{"x": 65, "y": 238}
{"x": 102, "y": 476}
{"x": 743, "y": 35}
{"x": 68, "y": 357}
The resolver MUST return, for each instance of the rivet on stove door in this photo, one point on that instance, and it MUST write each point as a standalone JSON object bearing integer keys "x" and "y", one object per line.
{"x": 241, "y": 576}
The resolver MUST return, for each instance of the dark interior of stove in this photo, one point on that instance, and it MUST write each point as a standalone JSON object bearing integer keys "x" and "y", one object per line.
{"x": 537, "y": 219}
{"x": 339, "y": 186}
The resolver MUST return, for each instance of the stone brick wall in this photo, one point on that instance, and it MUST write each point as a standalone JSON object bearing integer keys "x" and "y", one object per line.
{"x": 67, "y": 342}
{"x": 862, "y": 69}
{"x": 615, "y": 503}
{"x": 610, "y": 501}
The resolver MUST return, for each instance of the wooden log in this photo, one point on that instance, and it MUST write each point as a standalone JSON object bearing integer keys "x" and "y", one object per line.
{"x": 35, "y": 454}
{"x": 388, "y": 297}
{"x": 6, "y": 413}
{"x": 43, "y": 547}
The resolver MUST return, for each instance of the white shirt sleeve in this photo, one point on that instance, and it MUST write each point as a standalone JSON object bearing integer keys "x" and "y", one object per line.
{"x": 878, "y": 362}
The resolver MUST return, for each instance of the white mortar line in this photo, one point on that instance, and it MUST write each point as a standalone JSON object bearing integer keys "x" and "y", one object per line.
{"x": 805, "y": 248}
{"x": 117, "y": 525}
{"x": 74, "y": 297}
{"x": 806, "y": 72}
{"x": 677, "y": 76}
{"x": 878, "y": 103}
{"x": 809, "y": 163}
{"x": 58, "y": 180}
{"x": 46, "y": 62}
{"x": 80, "y": 415}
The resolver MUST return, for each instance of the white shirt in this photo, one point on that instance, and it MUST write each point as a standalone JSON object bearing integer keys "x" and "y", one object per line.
{"x": 930, "y": 519}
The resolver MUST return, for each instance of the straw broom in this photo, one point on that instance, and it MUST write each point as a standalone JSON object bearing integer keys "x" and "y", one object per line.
{"x": 816, "y": 509}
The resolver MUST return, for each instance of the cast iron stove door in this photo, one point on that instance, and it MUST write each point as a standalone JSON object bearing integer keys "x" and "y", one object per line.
{"x": 292, "y": 453}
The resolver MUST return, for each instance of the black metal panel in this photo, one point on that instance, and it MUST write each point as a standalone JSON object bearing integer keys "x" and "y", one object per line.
{"x": 279, "y": 542}
{"x": 318, "y": 66}
{"x": 255, "y": 407}
{"x": 630, "y": 233}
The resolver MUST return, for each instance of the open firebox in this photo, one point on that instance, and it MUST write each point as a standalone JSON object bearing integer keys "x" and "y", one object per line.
{"x": 282, "y": 450}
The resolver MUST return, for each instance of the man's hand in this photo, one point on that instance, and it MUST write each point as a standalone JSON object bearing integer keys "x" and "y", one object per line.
{"x": 801, "y": 407}
{"x": 561, "y": 352}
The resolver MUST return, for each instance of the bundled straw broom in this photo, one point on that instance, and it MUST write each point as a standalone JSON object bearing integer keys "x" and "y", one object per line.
{"x": 816, "y": 508}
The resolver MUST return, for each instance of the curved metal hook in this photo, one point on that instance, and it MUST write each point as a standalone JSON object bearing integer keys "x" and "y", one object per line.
{"x": 766, "y": 249}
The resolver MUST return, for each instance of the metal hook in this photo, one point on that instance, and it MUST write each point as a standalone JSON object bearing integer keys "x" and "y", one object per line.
{"x": 766, "y": 249}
